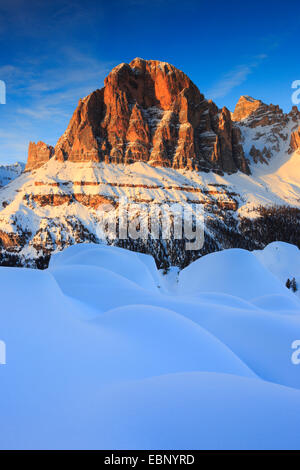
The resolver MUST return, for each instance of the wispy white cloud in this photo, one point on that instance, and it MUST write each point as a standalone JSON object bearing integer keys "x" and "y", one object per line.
{"x": 42, "y": 95}
{"x": 52, "y": 98}
{"x": 53, "y": 89}
{"x": 234, "y": 78}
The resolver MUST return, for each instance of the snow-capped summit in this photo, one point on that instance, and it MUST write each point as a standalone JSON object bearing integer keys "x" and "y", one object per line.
{"x": 267, "y": 132}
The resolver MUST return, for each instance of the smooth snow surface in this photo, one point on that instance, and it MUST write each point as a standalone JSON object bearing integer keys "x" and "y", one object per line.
{"x": 104, "y": 351}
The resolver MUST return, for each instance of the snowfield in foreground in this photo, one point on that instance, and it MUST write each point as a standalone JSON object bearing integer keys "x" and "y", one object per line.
{"x": 104, "y": 351}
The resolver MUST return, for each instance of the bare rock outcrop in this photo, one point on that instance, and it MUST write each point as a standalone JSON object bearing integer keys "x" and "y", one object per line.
{"x": 295, "y": 140}
{"x": 38, "y": 155}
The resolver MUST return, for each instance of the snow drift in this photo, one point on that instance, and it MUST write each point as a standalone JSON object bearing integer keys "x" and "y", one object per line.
{"x": 104, "y": 351}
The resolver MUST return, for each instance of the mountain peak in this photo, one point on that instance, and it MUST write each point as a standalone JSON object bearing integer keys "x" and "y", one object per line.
{"x": 148, "y": 111}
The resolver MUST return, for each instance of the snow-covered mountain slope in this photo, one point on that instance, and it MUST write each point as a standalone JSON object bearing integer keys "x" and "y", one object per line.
{"x": 105, "y": 357}
{"x": 10, "y": 172}
{"x": 59, "y": 204}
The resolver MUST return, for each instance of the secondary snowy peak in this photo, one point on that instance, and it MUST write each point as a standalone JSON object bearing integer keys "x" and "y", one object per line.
{"x": 152, "y": 112}
{"x": 245, "y": 107}
{"x": 268, "y": 133}
{"x": 9, "y": 172}
{"x": 254, "y": 113}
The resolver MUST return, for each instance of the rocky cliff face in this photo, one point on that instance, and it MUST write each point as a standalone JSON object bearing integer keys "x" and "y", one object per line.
{"x": 295, "y": 141}
{"x": 152, "y": 112}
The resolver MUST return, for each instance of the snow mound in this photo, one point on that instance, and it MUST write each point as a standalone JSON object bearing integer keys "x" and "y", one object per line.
{"x": 99, "y": 357}
{"x": 235, "y": 272}
{"x": 281, "y": 259}
{"x": 135, "y": 267}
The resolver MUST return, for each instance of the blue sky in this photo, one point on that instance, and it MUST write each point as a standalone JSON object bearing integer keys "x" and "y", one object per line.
{"x": 53, "y": 53}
